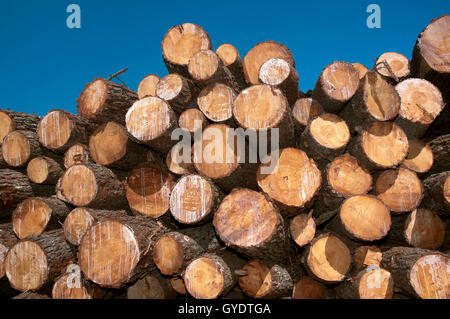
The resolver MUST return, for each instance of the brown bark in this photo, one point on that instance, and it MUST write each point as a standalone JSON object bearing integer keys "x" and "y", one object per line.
{"x": 12, "y": 121}
{"x": 302, "y": 229}
{"x": 308, "y": 288}
{"x": 441, "y": 153}
{"x": 44, "y": 170}
{"x": 31, "y": 295}
{"x": 7, "y": 240}
{"x": 233, "y": 61}
{"x": 437, "y": 193}
{"x": 14, "y": 188}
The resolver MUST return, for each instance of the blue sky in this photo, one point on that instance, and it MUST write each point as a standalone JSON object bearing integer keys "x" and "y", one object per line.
{"x": 45, "y": 65}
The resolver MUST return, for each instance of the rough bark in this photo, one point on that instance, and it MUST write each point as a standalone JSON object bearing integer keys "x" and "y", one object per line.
{"x": 233, "y": 61}
{"x": 178, "y": 91}
{"x": 437, "y": 189}
{"x": 441, "y": 153}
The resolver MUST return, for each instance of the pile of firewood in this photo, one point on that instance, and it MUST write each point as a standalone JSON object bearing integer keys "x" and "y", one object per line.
{"x": 96, "y": 204}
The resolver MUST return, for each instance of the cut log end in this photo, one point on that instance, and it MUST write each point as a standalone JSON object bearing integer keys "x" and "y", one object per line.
{"x": 168, "y": 255}
{"x": 203, "y": 65}
{"x": 79, "y": 185}
{"x": 108, "y": 143}
{"x": 31, "y": 217}
{"x": 192, "y": 120}
{"x": 40, "y": 168}
{"x": 76, "y": 224}
{"x": 70, "y": 286}
{"x": 228, "y": 54}
{"x": 429, "y": 276}
{"x": 366, "y": 255}
{"x": 303, "y": 229}
{"x": 93, "y": 98}
{"x": 16, "y": 149}
{"x": 375, "y": 283}
{"x": 424, "y": 229}
{"x": 216, "y": 102}
{"x": 204, "y": 279}
{"x": 76, "y": 154}
{"x": 257, "y": 283}
{"x": 420, "y": 157}
{"x": 274, "y": 71}
{"x": 177, "y": 284}
{"x": 361, "y": 69}
{"x": 7, "y": 125}
{"x": 305, "y": 110}
{"x": 308, "y": 288}
{"x": 55, "y": 129}
{"x": 176, "y": 163}
{"x": 398, "y": 65}
{"x": 330, "y": 131}
{"x": 147, "y": 87}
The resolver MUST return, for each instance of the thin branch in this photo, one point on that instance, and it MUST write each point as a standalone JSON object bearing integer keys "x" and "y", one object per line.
{"x": 116, "y": 74}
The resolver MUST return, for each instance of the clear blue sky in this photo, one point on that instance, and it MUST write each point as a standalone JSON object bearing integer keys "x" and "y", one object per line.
{"x": 45, "y": 65}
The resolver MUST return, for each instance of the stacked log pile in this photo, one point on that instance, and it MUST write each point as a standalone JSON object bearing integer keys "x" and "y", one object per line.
{"x": 106, "y": 204}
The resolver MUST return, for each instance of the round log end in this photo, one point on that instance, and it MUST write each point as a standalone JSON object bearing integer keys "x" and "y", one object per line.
{"x": 76, "y": 154}
{"x": 147, "y": 86}
{"x": 429, "y": 276}
{"x": 92, "y": 99}
{"x": 203, "y": 65}
{"x": 31, "y": 217}
{"x": 398, "y": 65}
{"x": 16, "y": 149}
{"x": 420, "y": 157}
{"x": 376, "y": 283}
{"x": 257, "y": 283}
{"x": 108, "y": 143}
{"x": 303, "y": 229}
{"x": 38, "y": 170}
{"x": 204, "y": 278}
{"x": 7, "y": 125}
{"x": 188, "y": 119}
{"x": 168, "y": 255}
{"x": 216, "y": 102}
{"x": 305, "y": 110}
{"x": 330, "y": 131}
{"x": 274, "y": 71}
{"x": 424, "y": 229}
{"x": 76, "y": 224}
{"x": 228, "y": 54}
{"x": 55, "y": 129}
{"x": 78, "y": 185}
{"x": 361, "y": 69}
{"x": 367, "y": 255}
{"x": 176, "y": 163}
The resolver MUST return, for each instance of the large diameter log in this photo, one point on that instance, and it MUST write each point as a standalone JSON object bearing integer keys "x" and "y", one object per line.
{"x": 259, "y": 54}
{"x": 248, "y": 222}
{"x": 175, "y": 160}
{"x": 421, "y": 103}
{"x": 194, "y": 199}
{"x": 91, "y": 185}
{"x": 152, "y": 286}
{"x": 192, "y": 120}
{"x": 151, "y": 121}
{"x": 419, "y": 272}
{"x": 44, "y": 170}
{"x": 437, "y": 193}
{"x": 35, "y": 262}
{"x": 115, "y": 251}
{"x": 336, "y": 85}
{"x": 147, "y": 86}
{"x": 304, "y": 111}
{"x": 420, "y": 158}
{"x": 400, "y": 189}
{"x": 12, "y": 121}
{"x": 233, "y": 61}
{"x": 19, "y": 147}
{"x": 212, "y": 275}
{"x": 381, "y": 145}
{"x": 308, "y": 288}
{"x": 327, "y": 259}
{"x": 103, "y": 101}
{"x": 35, "y": 215}
{"x": 76, "y": 154}
{"x": 294, "y": 181}
{"x": 262, "y": 108}
{"x": 148, "y": 187}
{"x": 7, "y": 240}
{"x": 430, "y": 55}
{"x": 178, "y": 91}
{"x": 180, "y": 43}
{"x": 216, "y": 102}
{"x": 14, "y": 188}
{"x": 441, "y": 153}
{"x": 72, "y": 285}
{"x": 393, "y": 65}
{"x": 302, "y": 229}
{"x": 361, "y": 69}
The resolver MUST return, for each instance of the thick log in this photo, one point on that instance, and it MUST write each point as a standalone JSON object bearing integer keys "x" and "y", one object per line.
{"x": 73, "y": 285}
{"x": 308, "y": 288}
{"x": 336, "y": 85}
{"x": 233, "y": 61}
{"x": 12, "y": 121}
{"x": 44, "y": 170}
{"x": 192, "y": 120}
{"x": 302, "y": 229}
{"x": 437, "y": 193}
{"x": 418, "y": 272}
{"x": 19, "y": 147}
{"x": 362, "y": 69}
{"x": 303, "y": 112}
{"x": 104, "y": 101}
{"x": 180, "y": 43}
{"x": 147, "y": 86}
{"x": 216, "y": 102}
{"x": 14, "y": 188}
{"x": 441, "y": 153}
{"x": 35, "y": 215}
{"x": 420, "y": 158}
{"x": 77, "y": 154}
{"x": 175, "y": 161}
{"x": 35, "y": 262}
{"x": 152, "y": 286}
{"x": 393, "y": 65}
{"x": 7, "y": 240}
{"x": 178, "y": 91}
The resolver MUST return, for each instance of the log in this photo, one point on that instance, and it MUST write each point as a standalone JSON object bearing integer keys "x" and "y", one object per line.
{"x": 418, "y": 272}
{"x": 308, "y": 288}
{"x": 420, "y": 158}
{"x": 175, "y": 162}
{"x": 399, "y": 189}
{"x": 152, "y": 286}
{"x": 216, "y": 103}
{"x": 44, "y": 170}
{"x": 7, "y": 240}
{"x": 12, "y": 121}
{"x": 177, "y": 284}
{"x": 262, "y": 108}
{"x": 194, "y": 199}
{"x": 362, "y": 69}
{"x": 34, "y": 263}
{"x": 336, "y": 85}
{"x": 280, "y": 74}
{"x": 72, "y": 285}
{"x": 441, "y": 153}
{"x": 303, "y": 112}
{"x": 147, "y": 86}
{"x": 437, "y": 193}
{"x": 77, "y": 154}
{"x": 91, "y": 185}
{"x": 259, "y": 54}
{"x": 35, "y": 215}
{"x": 192, "y": 120}
{"x": 178, "y": 91}
{"x": 249, "y": 223}
{"x": 212, "y": 275}
{"x": 109, "y": 145}
{"x": 233, "y": 61}
{"x": 14, "y": 188}
{"x": 302, "y": 229}
{"x": 397, "y": 68}
{"x": 293, "y": 183}
{"x": 148, "y": 187}
{"x": 364, "y": 256}
{"x": 19, "y": 147}
{"x": 151, "y": 121}
{"x": 381, "y": 145}
{"x": 180, "y": 43}
{"x": 103, "y": 101}
{"x": 421, "y": 103}
{"x": 118, "y": 250}
{"x": 31, "y": 295}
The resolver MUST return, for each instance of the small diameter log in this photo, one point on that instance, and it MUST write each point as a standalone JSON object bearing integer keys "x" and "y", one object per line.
{"x": 19, "y": 147}
{"x": 248, "y": 222}
{"x": 216, "y": 102}
{"x": 302, "y": 229}
{"x": 35, "y": 262}
{"x": 336, "y": 85}
{"x": 115, "y": 251}
{"x": 110, "y": 146}
{"x": 259, "y": 54}
{"x": 12, "y": 121}
{"x": 381, "y": 145}
{"x": 393, "y": 65}
{"x": 194, "y": 199}
{"x": 178, "y": 91}
{"x": 81, "y": 219}
{"x": 148, "y": 188}
{"x": 279, "y": 73}
{"x": 7, "y": 240}
{"x": 437, "y": 193}
{"x": 421, "y": 103}
{"x": 35, "y": 215}
{"x": 147, "y": 86}
{"x": 72, "y": 285}
{"x": 374, "y": 100}
{"x": 362, "y": 69}
{"x": 14, "y": 188}
{"x": 420, "y": 158}
{"x": 180, "y": 43}
{"x": 175, "y": 161}
{"x": 441, "y": 154}
{"x": 152, "y": 286}
{"x": 91, "y": 185}
{"x": 189, "y": 120}
{"x": 77, "y": 154}
{"x": 294, "y": 181}
{"x": 429, "y": 58}
{"x": 308, "y": 288}
{"x": 177, "y": 284}
{"x": 365, "y": 256}
{"x": 212, "y": 275}
{"x": 325, "y": 137}
{"x": 304, "y": 111}
{"x": 327, "y": 259}
{"x": 265, "y": 280}
{"x": 205, "y": 68}
{"x": 399, "y": 189}
{"x": 372, "y": 282}
{"x": 233, "y": 61}
{"x": 104, "y": 101}
{"x": 151, "y": 121}
{"x": 419, "y": 272}
{"x": 44, "y": 170}
{"x": 31, "y": 295}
